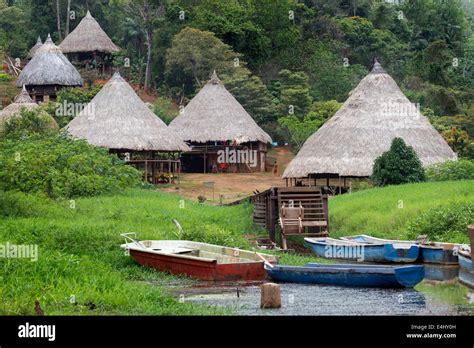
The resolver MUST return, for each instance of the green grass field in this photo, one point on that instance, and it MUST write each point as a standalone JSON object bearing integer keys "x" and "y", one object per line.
{"x": 80, "y": 265}
{"x": 388, "y": 212}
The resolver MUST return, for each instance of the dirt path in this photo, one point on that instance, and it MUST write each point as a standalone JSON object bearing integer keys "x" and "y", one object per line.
{"x": 232, "y": 187}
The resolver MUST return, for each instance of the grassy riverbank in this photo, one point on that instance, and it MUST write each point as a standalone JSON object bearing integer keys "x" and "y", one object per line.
{"x": 81, "y": 270}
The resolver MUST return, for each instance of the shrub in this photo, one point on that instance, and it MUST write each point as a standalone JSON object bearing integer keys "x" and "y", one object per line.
{"x": 19, "y": 204}
{"x": 399, "y": 165}
{"x": 30, "y": 122}
{"x": 444, "y": 224}
{"x": 61, "y": 167}
{"x": 451, "y": 170}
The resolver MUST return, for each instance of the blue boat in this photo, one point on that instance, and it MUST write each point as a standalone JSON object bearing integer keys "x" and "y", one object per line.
{"x": 363, "y": 252}
{"x": 441, "y": 272}
{"x": 431, "y": 252}
{"x": 466, "y": 272}
{"x": 377, "y": 276}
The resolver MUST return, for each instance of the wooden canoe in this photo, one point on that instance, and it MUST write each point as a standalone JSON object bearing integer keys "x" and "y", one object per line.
{"x": 348, "y": 275}
{"x": 431, "y": 252}
{"x": 199, "y": 260}
{"x": 363, "y": 252}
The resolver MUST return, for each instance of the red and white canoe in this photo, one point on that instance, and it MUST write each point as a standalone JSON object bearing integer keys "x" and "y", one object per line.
{"x": 198, "y": 260}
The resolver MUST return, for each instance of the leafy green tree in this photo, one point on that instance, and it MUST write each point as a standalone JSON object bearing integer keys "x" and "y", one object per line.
{"x": 330, "y": 77}
{"x": 300, "y": 130}
{"x": 437, "y": 58}
{"x": 147, "y": 14}
{"x": 323, "y": 110}
{"x": 458, "y": 140}
{"x": 250, "y": 91}
{"x": 399, "y": 165}
{"x": 13, "y": 38}
{"x": 294, "y": 95}
{"x": 192, "y": 57}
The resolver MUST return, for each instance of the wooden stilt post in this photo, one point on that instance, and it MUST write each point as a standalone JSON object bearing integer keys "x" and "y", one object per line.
{"x": 153, "y": 164}
{"x": 146, "y": 170}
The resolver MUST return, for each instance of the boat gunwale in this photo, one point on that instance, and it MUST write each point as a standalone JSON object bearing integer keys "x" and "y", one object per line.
{"x": 340, "y": 242}
{"x": 144, "y": 249}
{"x": 437, "y": 245}
{"x": 336, "y": 268}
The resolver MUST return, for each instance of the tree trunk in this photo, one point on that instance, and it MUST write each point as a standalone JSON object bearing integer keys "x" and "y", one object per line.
{"x": 58, "y": 20}
{"x": 68, "y": 19}
{"x": 149, "y": 41}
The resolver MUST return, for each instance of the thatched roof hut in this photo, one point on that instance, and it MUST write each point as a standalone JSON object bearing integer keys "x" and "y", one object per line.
{"x": 21, "y": 101}
{"x": 118, "y": 119}
{"x": 215, "y": 115}
{"x": 50, "y": 67}
{"x": 88, "y": 36}
{"x": 375, "y": 113}
{"x": 35, "y": 48}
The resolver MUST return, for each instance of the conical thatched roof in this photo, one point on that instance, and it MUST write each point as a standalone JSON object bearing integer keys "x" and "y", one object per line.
{"x": 376, "y": 112}
{"x": 21, "y": 101}
{"x": 118, "y": 119}
{"x": 214, "y": 114}
{"x": 49, "y": 66}
{"x": 88, "y": 37}
{"x": 35, "y": 48}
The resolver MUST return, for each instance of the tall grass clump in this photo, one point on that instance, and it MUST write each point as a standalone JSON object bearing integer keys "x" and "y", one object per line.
{"x": 444, "y": 224}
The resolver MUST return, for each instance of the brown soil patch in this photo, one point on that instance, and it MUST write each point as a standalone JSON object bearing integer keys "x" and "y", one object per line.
{"x": 232, "y": 187}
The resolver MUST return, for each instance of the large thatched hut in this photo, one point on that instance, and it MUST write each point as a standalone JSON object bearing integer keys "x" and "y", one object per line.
{"x": 47, "y": 72}
{"x": 347, "y": 145}
{"x": 89, "y": 45}
{"x": 222, "y": 135}
{"x": 21, "y": 102}
{"x": 35, "y": 48}
{"x": 117, "y": 119}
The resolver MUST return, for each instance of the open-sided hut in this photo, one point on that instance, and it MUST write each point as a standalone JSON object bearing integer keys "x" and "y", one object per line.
{"x": 222, "y": 135}
{"x": 89, "y": 45}
{"x": 47, "y": 72}
{"x": 347, "y": 145}
{"x": 35, "y": 48}
{"x": 21, "y": 101}
{"x": 117, "y": 119}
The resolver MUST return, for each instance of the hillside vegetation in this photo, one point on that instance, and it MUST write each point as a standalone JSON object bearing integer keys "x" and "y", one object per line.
{"x": 442, "y": 210}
